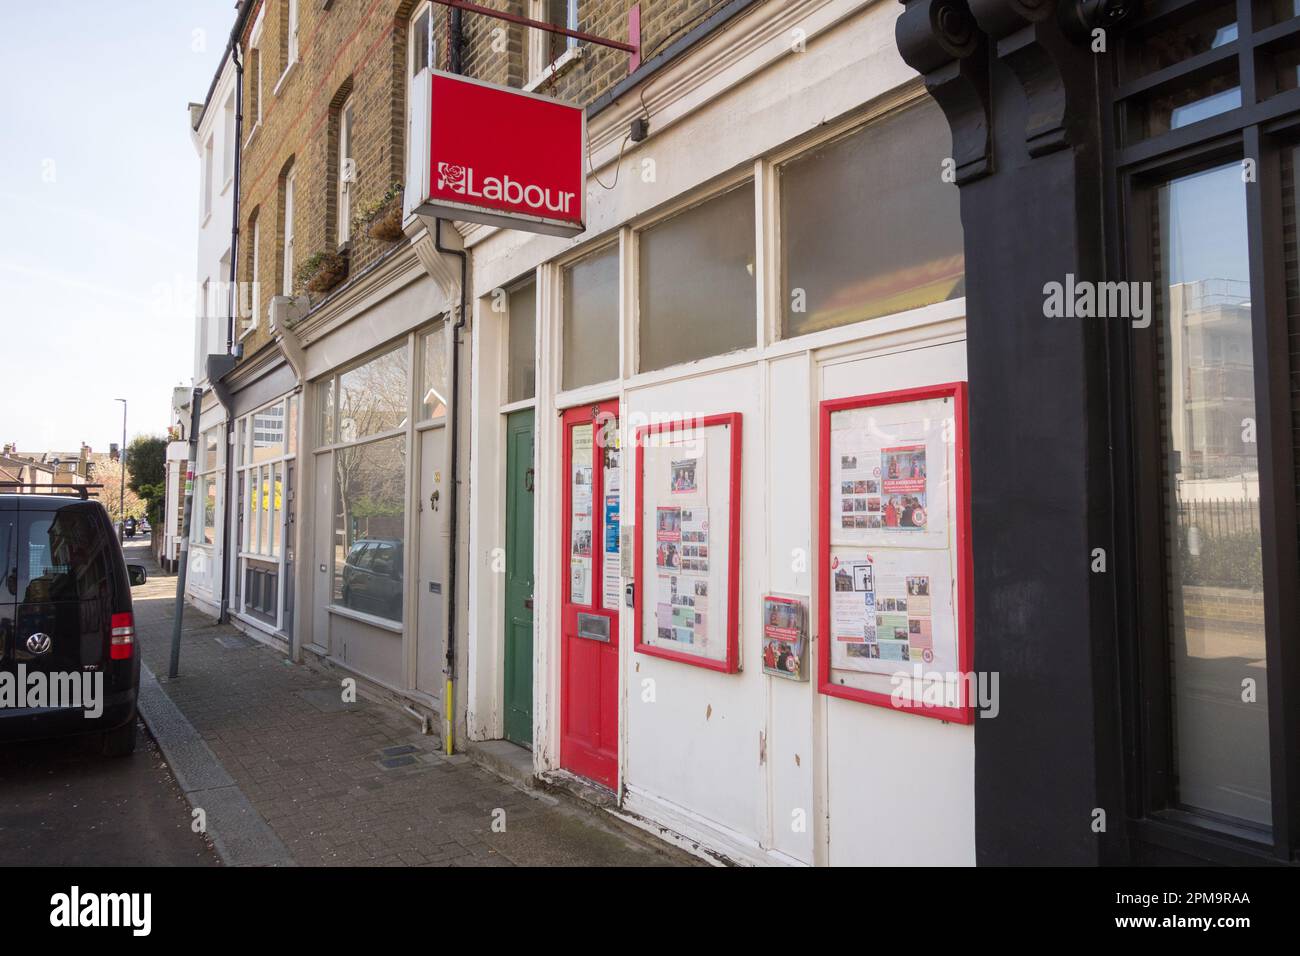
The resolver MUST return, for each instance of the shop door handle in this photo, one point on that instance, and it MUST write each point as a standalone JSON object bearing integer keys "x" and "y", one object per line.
{"x": 433, "y": 500}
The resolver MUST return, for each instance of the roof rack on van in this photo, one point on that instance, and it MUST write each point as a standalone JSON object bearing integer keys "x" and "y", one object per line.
{"x": 85, "y": 492}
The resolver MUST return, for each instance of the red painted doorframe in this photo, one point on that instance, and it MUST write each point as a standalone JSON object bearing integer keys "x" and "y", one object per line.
{"x": 588, "y": 666}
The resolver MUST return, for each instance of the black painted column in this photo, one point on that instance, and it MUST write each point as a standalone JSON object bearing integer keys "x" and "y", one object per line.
{"x": 1018, "y": 83}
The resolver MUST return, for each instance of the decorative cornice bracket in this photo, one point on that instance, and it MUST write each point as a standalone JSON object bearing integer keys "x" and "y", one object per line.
{"x": 941, "y": 41}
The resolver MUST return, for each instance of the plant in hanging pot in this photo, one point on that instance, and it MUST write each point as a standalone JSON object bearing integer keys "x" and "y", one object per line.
{"x": 382, "y": 217}
{"x": 323, "y": 271}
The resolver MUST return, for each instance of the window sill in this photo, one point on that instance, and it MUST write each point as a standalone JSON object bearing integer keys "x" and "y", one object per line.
{"x": 225, "y": 188}
{"x": 207, "y": 218}
{"x": 284, "y": 77}
{"x": 382, "y": 623}
{"x": 252, "y": 133}
{"x": 557, "y": 66}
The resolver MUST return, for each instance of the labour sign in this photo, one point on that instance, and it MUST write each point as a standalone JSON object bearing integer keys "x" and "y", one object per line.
{"x": 504, "y": 157}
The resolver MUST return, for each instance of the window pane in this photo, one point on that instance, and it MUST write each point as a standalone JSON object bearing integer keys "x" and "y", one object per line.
{"x": 433, "y": 372}
{"x": 268, "y": 433}
{"x": 325, "y": 393}
{"x": 522, "y": 360}
{"x": 1184, "y": 106}
{"x": 207, "y": 487}
{"x": 697, "y": 295}
{"x": 369, "y": 515}
{"x": 275, "y": 505}
{"x": 373, "y": 397}
{"x": 868, "y": 227}
{"x": 1216, "y": 612}
{"x": 1168, "y": 45}
{"x": 420, "y": 43}
{"x": 263, "y": 509}
{"x": 250, "y": 515}
{"x": 62, "y": 556}
{"x": 591, "y": 320}
{"x": 557, "y": 13}
{"x": 208, "y": 459}
{"x": 292, "y": 425}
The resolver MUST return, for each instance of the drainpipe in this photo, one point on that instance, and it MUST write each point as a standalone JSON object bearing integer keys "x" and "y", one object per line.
{"x": 457, "y": 45}
{"x": 448, "y": 698}
{"x": 230, "y": 330}
{"x": 448, "y": 707}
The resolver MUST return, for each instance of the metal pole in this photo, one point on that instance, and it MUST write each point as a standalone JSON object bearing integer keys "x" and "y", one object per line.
{"x": 121, "y": 491}
{"x": 196, "y": 403}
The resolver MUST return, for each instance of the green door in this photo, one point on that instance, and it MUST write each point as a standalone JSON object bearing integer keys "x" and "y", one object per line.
{"x": 519, "y": 578}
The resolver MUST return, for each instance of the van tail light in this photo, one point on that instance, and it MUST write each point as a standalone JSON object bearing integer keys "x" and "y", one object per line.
{"x": 122, "y": 644}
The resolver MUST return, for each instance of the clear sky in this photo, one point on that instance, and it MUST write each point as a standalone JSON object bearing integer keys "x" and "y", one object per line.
{"x": 99, "y": 192}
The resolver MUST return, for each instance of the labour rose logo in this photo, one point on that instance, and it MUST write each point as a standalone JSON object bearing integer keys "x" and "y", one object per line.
{"x": 451, "y": 177}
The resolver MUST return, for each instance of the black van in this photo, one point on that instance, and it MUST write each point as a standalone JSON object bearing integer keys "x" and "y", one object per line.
{"x": 68, "y": 661}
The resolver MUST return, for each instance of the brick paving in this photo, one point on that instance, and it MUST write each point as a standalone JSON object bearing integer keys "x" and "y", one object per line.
{"x": 314, "y": 771}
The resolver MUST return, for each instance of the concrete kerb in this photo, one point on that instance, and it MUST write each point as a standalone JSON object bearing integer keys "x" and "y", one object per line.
{"x": 238, "y": 832}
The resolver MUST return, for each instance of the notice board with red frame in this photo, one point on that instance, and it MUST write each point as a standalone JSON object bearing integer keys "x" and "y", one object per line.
{"x": 894, "y": 569}
{"x": 687, "y": 551}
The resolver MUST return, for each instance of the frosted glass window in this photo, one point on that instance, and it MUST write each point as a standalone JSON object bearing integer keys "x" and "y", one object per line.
{"x": 521, "y": 347}
{"x": 591, "y": 319}
{"x": 868, "y": 227}
{"x": 697, "y": 292}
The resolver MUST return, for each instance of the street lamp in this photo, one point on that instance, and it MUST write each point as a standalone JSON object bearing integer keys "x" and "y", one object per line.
{"x": 121, "y": 491}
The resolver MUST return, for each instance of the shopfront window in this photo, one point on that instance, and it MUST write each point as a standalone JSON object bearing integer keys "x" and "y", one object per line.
{"x": 205, "y": 486}
{"x": 370, "y": 517}
{"x": 591, "y": 320}
{"x": 697, "y": 294}
{"x": 267, "y": 444}
{"x": 1212, "y": 515}
{"x": 367, "y": 400}
{"x": 867, "y": 225}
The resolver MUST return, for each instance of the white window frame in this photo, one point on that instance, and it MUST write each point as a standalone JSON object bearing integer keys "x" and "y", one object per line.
{"x": 207, "y": 178}
{"x": 256, "y": 289}
{"x": 346, "y": 170}
{"x": 540, "y": 66}
{"x": 292, "y": 27}
{"x": 228, "y": 142}
{"x": 286, "y": 274}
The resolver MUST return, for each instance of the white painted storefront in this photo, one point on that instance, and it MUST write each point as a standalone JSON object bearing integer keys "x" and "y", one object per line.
{"x": 749, "y": 767}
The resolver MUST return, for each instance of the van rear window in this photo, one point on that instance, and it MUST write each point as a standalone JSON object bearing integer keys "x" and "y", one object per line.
{"x": 62, "y": 556}
{"x": 8, "y": 568}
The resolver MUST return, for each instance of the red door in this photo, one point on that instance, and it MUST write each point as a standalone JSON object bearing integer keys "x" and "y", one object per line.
{"x": 589, "y": 601}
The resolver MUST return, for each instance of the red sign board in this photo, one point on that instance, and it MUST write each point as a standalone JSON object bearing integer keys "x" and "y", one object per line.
{"x": 504, "y": 157}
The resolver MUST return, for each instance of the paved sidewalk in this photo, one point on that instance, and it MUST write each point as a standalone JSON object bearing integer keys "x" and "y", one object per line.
{"x": 338, "y": 784}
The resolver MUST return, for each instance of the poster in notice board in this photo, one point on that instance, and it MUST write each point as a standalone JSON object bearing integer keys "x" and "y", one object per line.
{"x": 687, "y": 541}
{"x": 894, "y": 581}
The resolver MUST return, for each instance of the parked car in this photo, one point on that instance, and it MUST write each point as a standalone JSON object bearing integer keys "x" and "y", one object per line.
{"x": 372, "y": 577}
{"x": 65, "y": 612}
